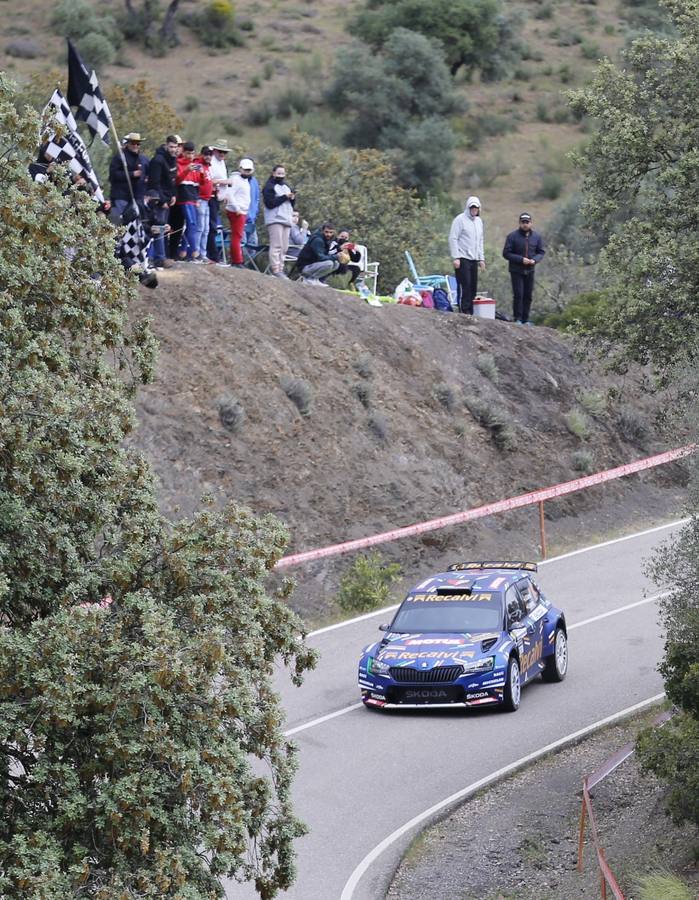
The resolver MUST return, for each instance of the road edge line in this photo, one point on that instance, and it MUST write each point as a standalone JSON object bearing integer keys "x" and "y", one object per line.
{"x": 487, "y": 781}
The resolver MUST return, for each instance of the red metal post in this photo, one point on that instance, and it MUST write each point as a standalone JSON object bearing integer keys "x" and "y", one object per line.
{"x": 542, "y": 529}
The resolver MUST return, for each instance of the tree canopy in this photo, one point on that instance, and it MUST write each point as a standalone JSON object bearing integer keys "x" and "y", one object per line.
{"x": 475, "y": 34}
{"x": 641, "y": 189}
{"x": 398, "y": 100}
{"x": 136, "y": 655}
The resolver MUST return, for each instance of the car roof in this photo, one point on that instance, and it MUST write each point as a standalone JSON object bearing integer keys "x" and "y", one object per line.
{"x": 492, "y": 579}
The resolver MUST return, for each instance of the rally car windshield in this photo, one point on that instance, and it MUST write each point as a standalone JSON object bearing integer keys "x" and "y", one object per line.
{"x": 443, "y": 614}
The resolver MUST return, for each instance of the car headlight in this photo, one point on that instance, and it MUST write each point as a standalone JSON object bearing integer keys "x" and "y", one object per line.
{"x": 480, "y": 665}
{"x": 374, "y": 666}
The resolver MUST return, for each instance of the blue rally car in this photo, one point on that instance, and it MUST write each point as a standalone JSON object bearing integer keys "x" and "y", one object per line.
{"x": 470, "y": 636}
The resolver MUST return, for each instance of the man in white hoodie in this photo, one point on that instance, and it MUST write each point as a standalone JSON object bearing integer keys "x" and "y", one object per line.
{"x": 466, "y": 248}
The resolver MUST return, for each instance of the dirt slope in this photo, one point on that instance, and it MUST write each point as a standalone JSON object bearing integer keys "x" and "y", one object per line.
{"x": 388, "y": 439}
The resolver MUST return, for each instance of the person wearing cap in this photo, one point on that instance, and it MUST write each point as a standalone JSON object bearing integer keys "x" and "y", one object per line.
{"x": 221, "y": 181}
{"x": 278, "y": 199}
{"x": 162, "y": 192}
{"x": 466, "y": 247}
{"x": 206, "y": 191}
{"x": 523, "y": 250}
{"x": 237, "y": 206}
{"x": 188, "y": 180}
{"x": 136, "y": 172}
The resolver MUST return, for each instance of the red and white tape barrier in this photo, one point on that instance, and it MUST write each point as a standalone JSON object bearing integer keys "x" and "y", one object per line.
{"x": 556, "y": 490}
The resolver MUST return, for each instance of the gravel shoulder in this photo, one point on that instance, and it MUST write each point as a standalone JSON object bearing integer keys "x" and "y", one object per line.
{"x": 518, "y": 840}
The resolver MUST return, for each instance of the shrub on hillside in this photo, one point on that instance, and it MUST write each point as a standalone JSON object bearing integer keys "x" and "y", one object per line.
{"x": 367, "y": 583}
{"x": 23, "y": 48}
{"x": 581, "y": 312}
{"x": 216, "y": 26}
{"x": 476, "y": 35}
{"x": 299, "y": 391}
{"x": 98, "y": 37}
{"x": 398, "y": 101}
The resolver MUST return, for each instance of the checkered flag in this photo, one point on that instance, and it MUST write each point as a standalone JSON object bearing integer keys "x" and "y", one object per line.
{"x": 84, "y": 93}
{"x": 132, "y": 245}
{"x": 64, "y": 144}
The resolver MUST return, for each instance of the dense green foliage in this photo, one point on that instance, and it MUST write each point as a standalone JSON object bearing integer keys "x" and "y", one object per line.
{"x": 359, "y": 190}
{"x": 642, "y": 189}
{"x": 643, "y": 158}
{"x": 397, "y": 101}
{"x": 367, "y": 583}
{"x": 97, "y": 36}
{"x": 475, "y": 34}
{"x": 672, "y": 752}
{"x": 136, "y": 656}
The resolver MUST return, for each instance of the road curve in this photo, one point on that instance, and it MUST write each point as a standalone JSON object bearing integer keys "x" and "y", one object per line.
{"x": 364, "y": 774}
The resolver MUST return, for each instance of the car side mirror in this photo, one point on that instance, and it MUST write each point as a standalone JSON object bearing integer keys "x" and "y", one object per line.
{"x": 384, "y": 627}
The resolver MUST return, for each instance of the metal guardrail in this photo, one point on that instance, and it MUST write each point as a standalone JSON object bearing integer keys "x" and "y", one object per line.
{"x": 539, "y": 497}
{"x": 607, "y": 878}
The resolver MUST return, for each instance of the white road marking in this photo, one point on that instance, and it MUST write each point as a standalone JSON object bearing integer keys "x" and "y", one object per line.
{"x": 373, "y": 855}
{"x": 613, "y": 612}
{"x": 605, "y": 615}
{"x": 544, "y": 562}
{"x": 319, "y": 721}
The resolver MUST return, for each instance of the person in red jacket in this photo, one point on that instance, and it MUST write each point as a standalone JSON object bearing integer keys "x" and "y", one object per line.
{"x": 206, "y": 192}
{"x": 188, "y": 179}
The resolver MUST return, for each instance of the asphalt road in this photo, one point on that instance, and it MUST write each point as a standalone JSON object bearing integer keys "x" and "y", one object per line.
{"x": 364, "y": 774}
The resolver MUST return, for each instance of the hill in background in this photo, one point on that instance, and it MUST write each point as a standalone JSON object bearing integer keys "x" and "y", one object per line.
{"x": 513, "y": 136}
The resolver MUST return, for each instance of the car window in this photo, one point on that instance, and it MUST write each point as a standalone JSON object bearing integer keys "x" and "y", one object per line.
{"x": 442, "y": 615}
{"x": 514, "y": 605}
{"x": 528, "y": 596}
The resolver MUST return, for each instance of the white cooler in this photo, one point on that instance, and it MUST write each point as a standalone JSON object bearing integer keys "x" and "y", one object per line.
{"x": 484, "y": 307}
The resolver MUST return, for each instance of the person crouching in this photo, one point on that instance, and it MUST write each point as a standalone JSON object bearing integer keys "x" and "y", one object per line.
{"x": 316, "y": 260}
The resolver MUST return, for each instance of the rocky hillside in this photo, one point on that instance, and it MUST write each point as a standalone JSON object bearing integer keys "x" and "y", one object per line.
{"x": 343, "y": 420}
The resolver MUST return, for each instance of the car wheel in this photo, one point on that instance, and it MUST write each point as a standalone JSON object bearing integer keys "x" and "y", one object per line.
{"x": 513, "y": 687}
{"x": 556, "y": 665}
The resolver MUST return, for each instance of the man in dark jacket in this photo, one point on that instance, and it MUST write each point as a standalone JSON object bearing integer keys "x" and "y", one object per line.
{"x": 137, "y": 168}
{"x": 316, "y": 260}
{"x": 162, "y": 192}
{"x": 523, "y": 250}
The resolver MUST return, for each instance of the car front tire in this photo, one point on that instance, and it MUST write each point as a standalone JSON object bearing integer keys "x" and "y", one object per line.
{"x": 513, "y": 687}
{"x": 556, "y": 665}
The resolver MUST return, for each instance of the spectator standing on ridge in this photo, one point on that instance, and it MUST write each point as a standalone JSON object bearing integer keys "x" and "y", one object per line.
{"x": 316, "y": 259}
{"x": 251, "y": 239}
{"x": 206, "y": 190}
{"x": 162, "y": 193}
{"x": 188, "y": 179}
{"x": 137, "y": 167}
{"x": 176, "y": 214}
{"x": 278, "y": 201}
{"x": 466, "y": 248}
{"x": 523, "y": 249}
{"x": 237, "y": 206}
{"x": 221, "y": 181}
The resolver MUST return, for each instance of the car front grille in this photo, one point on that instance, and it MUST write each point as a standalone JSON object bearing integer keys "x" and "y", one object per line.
{"x": 438, "y": 675}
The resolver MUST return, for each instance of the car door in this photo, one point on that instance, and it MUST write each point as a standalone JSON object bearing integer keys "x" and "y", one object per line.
{"x": 533, "y": 641}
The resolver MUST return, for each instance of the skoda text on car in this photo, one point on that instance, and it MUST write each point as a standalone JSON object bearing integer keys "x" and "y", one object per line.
{"x": 471, "y": 636}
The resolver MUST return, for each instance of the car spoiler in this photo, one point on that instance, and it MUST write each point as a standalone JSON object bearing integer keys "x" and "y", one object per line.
{"x": 494, "y": 564}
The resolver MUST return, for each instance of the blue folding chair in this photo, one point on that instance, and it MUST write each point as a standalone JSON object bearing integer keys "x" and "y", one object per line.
{"x": 446, "y": 282}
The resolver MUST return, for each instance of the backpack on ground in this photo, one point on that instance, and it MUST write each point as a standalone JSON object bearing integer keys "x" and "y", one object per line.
{"x": 440, "y": 298}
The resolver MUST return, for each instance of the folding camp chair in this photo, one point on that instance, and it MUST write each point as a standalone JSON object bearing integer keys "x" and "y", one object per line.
{"x": 252, "y": 254}
{"x": 368, "y": 271}
{"x": 290, "y": 257}
{"x": 447, "y": 282}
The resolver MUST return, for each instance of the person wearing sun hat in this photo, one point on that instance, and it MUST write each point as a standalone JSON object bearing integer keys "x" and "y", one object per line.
{"x": 136, "y": 172}
{"x": 523, "y": 250}
{"x": 221, "y": 181}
